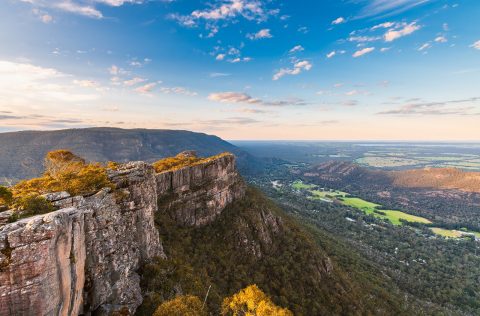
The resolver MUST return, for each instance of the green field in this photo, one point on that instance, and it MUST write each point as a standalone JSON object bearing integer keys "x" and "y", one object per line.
{"x": 318, "y": 194}
{"x": 449, "y": 233}
{"x": 395, "y": 216}
{"x": 367, "y": 207}
{"x": 299, "y": 185}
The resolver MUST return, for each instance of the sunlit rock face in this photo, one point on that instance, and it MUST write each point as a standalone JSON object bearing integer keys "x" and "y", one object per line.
{"x": 196, "y": 195}
{"x": 84, "y": 257}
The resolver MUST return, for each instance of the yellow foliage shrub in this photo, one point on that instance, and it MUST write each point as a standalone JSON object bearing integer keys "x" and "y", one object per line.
{"x": 180, "y": 161}
{"x": 64, "y": 171}
{"x": 251, "y": 301}
{"x": 181, "y": 306}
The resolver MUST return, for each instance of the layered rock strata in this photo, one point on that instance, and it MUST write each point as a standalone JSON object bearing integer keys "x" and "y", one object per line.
{"x": 84, "y": 258}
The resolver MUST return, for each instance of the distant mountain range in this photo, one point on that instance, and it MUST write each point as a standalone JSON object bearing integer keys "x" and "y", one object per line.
{"x": 22, "y": 153}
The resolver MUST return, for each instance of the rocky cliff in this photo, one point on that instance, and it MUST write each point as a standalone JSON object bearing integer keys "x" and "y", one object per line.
{"x": 84, "y": 257}
{"x": 206, "y": 188}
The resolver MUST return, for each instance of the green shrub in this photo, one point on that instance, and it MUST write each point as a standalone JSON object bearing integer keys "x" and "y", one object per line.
{"x": 32, "y": 204}
{"x": 6, "y": 195}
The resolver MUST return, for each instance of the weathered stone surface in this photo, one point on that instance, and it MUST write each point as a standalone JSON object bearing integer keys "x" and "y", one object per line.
{"x": 196, "y": 195}
{"x": 5, "y": 217}
{"x": 42, "y": 264}
{"x": 56, "y": 196}
{"x": 84, "y": 258}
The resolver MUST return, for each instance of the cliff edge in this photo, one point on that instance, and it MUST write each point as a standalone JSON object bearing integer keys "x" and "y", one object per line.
{"x": 84, "y": 257}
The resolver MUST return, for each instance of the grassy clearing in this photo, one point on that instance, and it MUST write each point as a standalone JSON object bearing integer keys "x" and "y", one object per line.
{"x": 299, "y": 185}
{"x": 395, "y": 216}
{"x": 319, "y": 194}
{"x": 366, "y": 206}
{"x": 448, "y": 233}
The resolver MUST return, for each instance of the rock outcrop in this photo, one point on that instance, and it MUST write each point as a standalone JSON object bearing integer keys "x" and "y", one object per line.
{"x": 205, "y": 188}
{"x": 84, "y": 257}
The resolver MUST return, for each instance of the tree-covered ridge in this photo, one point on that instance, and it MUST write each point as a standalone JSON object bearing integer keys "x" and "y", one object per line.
{"x": 436, "y": 276}
{"x": 254, "y": 242}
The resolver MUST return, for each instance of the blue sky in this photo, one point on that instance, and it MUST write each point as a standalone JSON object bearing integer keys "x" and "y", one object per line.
{"x": 244, "y": 69}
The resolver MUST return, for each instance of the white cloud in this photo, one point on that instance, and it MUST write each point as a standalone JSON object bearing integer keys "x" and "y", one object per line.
{"x": 24, "y": 84}
{"x": 424, "y": 46}
{"x": 356, "y": 92}
{"x": 385, "y": 49}
{"x": 114, "y": 70}
{"x": 476, "y": 45}
{"x": 147, "y": 88}
{"x": 364, "y": 51}
{"x": 86, "y": 83}
{"x": 239, "y": 60}
{"x": 441, "y": 39}
{"x": 331, "y": 54}
{"x": 43, "y": 16}
{"x": 46, "y": 18}
{"x": 264, "y": 33}
{"x": 298, "y": 48}
{"x": 406, "y": 29}
{"x": 389, "y": 7}
{"x": 298, "y": 67}
{"x": 252, "y": 10}
{"x": 178, "y": 90}
{"x": 338, "y": 20}
{"x": 218, "y": 74}
{"x": 75, "y": 8}
{"x": 244, "y": 98}
{"x": 81, "y": 7}
{"x": 384, "y": 25}
{"x": 118, "y": 3}
{"x": 220, "y": 57}
{"x": 134, "y": 81}
{"x": 233, "y": 97}
{"x": 303, "y": 29}
{"x": 363, "y": 39}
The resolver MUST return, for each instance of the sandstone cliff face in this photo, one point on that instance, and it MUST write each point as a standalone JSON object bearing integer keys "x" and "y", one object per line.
{"x": 84, "y": 258}
{"x": 196, "y": 195}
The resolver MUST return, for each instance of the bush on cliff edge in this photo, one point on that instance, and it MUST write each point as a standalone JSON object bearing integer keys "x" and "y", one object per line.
{"x": 64, "y": 171}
